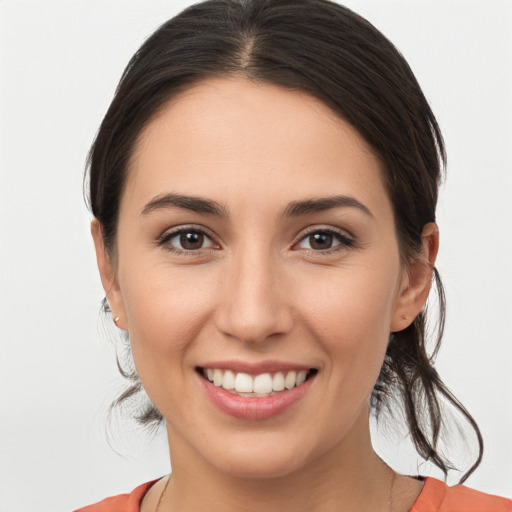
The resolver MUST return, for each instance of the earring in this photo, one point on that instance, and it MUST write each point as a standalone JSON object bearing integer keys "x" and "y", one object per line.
{"x": 116, "y": 320}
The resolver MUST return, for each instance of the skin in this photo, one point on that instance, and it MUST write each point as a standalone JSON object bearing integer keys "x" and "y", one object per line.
{"x": 258, "y": 290}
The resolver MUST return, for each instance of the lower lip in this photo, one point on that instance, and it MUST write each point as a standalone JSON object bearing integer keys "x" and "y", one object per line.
{"x": 252, "y": 408}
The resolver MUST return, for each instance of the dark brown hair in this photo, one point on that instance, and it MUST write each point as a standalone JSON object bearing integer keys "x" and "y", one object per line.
{"x": 333, "y": 54}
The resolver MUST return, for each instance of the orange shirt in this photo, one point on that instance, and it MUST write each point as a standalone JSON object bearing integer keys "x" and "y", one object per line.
{"x": 436, "y": 496}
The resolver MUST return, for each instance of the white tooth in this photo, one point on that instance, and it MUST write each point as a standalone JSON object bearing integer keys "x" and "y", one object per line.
{"x": 301, "y": 377}
{"x": 263, "y": 383}
{"x": 244, "y": 383}
{"x": 278, "y": 382}
{"x": 229, "y": 380}
{"x": 289, "y": 381}
{"x": 209, "y": 374}
{"x": 217, "y": 377}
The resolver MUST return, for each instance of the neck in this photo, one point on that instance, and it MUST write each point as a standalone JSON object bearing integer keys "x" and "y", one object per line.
{"x": 349, "y": 477}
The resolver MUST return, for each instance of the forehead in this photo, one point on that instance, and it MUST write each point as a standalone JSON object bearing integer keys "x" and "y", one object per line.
{"x": 227, "y": 136}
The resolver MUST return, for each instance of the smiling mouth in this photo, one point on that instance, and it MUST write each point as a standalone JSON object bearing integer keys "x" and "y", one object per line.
{"x": 256, "y": 386}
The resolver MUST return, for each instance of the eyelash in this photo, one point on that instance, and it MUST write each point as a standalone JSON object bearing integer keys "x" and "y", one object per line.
{"x": 344, "y": 240}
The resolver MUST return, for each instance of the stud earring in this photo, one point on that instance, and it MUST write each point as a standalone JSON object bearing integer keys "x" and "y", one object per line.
{"x": 116, "y": 320}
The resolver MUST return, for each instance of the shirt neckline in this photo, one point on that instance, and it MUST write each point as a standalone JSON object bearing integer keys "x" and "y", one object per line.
{"x": 429, "y": 499}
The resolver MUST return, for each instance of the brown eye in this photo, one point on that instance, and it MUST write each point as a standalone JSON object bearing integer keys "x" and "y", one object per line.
{"x": 324, "y": 240}
{"x": 191, "y": 241}
{"x": 187, "y": 240}
{"x": 320, "y": 241}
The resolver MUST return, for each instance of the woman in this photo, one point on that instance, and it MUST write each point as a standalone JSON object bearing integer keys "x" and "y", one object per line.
{"x": 264, "y": 188}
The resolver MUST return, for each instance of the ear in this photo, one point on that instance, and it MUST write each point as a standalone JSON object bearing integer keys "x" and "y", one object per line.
{"x": 416, "y": 281}
{"x": 108, "y": 275}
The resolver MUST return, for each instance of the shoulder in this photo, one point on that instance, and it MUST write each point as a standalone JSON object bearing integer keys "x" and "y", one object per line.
{"x": 436, "y": 496}
{"x": 129, "y": 502}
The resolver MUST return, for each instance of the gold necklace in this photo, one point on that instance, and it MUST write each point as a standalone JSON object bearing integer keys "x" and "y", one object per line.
{"x": 162, "y": 495}
{"x": 391, "y": 489}
{"x": 390, "y": 498}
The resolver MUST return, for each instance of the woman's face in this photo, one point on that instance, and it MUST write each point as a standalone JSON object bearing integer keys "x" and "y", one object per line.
{"x": 256, "y": 239}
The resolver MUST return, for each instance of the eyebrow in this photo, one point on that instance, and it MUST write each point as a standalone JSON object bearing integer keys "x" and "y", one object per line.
{"x": 321, "y": 204}
{"x": 192, "y": 203}
{"x": 294, "y": 209}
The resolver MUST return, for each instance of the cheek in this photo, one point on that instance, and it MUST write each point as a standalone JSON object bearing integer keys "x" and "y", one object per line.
{"x": 166, "y": 310}
{"x": 350, "y": 315}
{"x": 354, "y": 298}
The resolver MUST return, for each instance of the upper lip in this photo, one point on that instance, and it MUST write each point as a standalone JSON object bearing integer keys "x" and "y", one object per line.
{"x": 253, "y": 368}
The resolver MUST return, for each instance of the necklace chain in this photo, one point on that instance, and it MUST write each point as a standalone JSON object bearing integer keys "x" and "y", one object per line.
{"x": 157, "y": 509}
{"x": 391, "y": 489}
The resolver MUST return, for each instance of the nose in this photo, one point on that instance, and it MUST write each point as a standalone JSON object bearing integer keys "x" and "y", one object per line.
{"x": 253, "y": 303}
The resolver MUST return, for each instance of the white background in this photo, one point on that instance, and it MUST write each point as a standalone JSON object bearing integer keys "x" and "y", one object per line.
{"x": 60, "y": 62}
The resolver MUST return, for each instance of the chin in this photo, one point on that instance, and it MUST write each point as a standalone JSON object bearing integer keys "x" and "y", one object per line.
{"x": 261, "y": 466}
{"x": 258, "y": 457}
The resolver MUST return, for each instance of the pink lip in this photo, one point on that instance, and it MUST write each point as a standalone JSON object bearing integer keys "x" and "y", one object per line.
{"x": 255, "y": 368}
{"x": 253, "y": 408}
